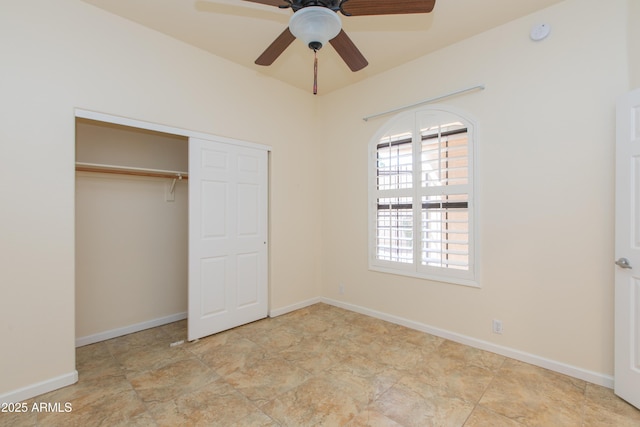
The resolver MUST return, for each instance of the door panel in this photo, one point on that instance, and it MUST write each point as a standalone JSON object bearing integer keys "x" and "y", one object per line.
{"x": 227, "y": 236}
{"x": 627, "y": 247}
{"x": 213, "y": 271}
{"x": 214, "y": 223}
{"x": 248, "y": 281}
{"x": 248, "y": 199}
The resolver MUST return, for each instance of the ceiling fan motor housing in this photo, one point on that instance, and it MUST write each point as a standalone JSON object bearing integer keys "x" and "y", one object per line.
{"x": 315, "y": 25}
{"x": 296, "y": 5}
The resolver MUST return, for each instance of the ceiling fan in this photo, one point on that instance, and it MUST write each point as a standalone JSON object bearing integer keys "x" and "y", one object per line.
{"x": 316, "y": 22}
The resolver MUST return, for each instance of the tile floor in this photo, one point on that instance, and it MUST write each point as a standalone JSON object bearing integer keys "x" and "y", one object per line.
{"x": 319, "y": 366}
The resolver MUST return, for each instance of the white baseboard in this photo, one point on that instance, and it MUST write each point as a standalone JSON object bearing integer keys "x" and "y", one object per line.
{"x": 37, "y": 389}
{"x": 563, "y": 368}
{"x": 297, "y": 306}
{"x": 113, "y": 333}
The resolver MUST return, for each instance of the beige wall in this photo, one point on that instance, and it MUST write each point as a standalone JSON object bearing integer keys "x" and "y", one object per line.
{"x": 546, "y": 179}
{"x": 62, "y": 55}
{"x": 131, "y": 252}
{"x": 131, "y": 243}
{"x": 118, "y": 145}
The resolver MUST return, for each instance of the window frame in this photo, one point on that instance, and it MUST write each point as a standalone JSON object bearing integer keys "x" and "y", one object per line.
{"x": 468, "y": 277}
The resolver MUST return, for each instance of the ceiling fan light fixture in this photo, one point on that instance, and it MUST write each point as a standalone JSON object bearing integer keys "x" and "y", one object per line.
{"x": 315, "y": 25}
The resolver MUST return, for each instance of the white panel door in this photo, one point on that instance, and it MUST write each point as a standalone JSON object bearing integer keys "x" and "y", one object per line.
{"x": 627, "y": 247}
{"x": 227, "y": 236}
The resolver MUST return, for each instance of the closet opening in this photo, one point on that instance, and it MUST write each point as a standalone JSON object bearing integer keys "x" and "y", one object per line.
{"x": 131, "y": 229}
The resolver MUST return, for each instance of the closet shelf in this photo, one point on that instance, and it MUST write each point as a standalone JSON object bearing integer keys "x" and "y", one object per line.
{"x": 126, "y": 170}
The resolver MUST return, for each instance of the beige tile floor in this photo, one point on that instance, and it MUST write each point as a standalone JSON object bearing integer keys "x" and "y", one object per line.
{"x": 319, "y": 366}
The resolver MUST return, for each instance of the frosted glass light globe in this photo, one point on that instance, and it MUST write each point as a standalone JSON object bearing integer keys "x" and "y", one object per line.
{"x": 315, "y": 24}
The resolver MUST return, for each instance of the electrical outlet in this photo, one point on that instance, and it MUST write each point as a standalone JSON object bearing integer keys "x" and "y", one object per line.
{"x": 341, "y": 288}
{"x": 497, "y": 326}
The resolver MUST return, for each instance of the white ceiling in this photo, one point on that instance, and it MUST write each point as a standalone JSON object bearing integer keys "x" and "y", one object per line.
{"x": 240, "y": 31}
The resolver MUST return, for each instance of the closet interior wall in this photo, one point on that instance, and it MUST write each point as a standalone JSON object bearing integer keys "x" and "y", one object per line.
{"x": 131, "y": 231}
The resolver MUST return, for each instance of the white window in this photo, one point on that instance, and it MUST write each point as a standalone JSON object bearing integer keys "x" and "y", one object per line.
{"x": 421, "y": 181}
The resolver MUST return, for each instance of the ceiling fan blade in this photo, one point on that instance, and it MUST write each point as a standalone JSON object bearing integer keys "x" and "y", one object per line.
{"x": 276, "y": 3}
{"x": 348, "y": 51}
{"x": 386, "y": 7}
{"x": 276, "y": 48}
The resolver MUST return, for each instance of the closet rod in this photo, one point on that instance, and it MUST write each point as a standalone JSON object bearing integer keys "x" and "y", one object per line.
{"x": 122, "y": 170}
{"x": 426, "y": 101}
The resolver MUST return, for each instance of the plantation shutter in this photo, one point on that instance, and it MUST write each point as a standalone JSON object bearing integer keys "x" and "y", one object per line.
{"x": 422, "y": 194}
{"x": 444, "y": 227}
{"x": 394, "y": 214}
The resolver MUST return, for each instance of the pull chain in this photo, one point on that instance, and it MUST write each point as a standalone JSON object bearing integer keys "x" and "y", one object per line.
{"x": 315, "y": 71}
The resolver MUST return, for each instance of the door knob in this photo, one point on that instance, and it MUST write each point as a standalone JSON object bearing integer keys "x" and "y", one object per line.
{"x": 623, "y": 263}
